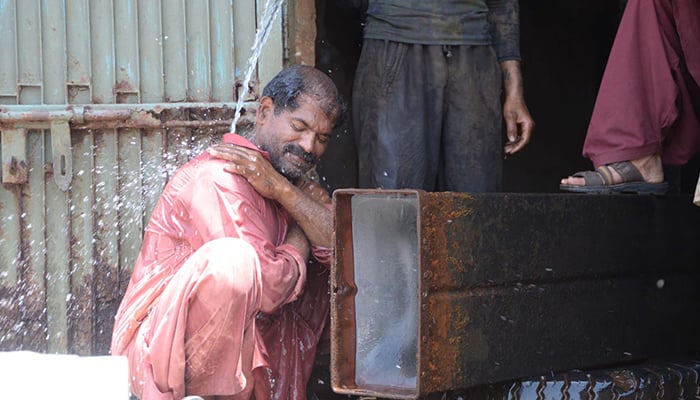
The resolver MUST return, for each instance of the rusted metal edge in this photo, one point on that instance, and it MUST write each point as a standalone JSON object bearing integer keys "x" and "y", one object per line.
{"x": 343, "y": 291}
{"x": 102, "y": 116}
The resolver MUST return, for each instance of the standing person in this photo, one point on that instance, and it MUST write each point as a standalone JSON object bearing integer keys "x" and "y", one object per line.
{"x": 647, "y": 112}
{"x": 223, "y": 301}
{"x": 427, "y": 94}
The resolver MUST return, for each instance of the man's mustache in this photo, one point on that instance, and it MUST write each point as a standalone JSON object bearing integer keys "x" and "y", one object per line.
{"x": 298, "y": 151}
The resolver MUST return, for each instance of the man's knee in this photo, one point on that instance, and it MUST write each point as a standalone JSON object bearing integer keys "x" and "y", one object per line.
{"x": 227, "y": 264}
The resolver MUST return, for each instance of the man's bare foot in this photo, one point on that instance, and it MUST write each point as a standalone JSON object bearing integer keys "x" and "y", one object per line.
{"x": 650, "y": 167}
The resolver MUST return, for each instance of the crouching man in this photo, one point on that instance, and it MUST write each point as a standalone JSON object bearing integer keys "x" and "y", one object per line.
{"x": 222, "y": 302}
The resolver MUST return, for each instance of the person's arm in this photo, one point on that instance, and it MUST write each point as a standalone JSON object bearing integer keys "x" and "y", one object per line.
{"x": 519, "y": 123}
{"x": 219, "y": 204}
{"x": 302, "y": 201}
{"x": 504, "y": 20}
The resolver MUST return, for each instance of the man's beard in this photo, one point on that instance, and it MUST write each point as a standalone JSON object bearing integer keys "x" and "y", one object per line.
{"x": 293, "y": 172}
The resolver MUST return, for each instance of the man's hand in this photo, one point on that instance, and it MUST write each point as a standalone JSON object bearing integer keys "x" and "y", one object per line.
{"x": 251, "y": 165}
{"x": 306, "y": 204}
{"x": 519, "y": 123}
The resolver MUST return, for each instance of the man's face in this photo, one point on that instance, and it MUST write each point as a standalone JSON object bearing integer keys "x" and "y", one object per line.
{"x": 295, "y": 140}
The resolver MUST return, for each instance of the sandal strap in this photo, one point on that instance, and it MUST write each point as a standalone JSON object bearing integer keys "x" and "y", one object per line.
{"x": 590, "y": 178}
{"x": 627, "y": 171}
{"x": 603, "y": 175}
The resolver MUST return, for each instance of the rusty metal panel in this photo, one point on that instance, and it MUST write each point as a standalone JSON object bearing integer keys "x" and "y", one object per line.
{"x": 57, "y": 265}
{"x": 29, "y": 66}
{"x": 198, "y": 50}
{"x": 82, "y": 200}
{"x": 222, "y": 50}
{"x": 13, "y": 153}
{"x": 150, "y": 51}
{"x": 272, "y": 55}
{"x": 8, "y": 45}
{"x": 125, "y": 51}
{"x": 174, "y": 41}
{"x": 131, "y": 209}
{"x": 106, "y": 214}
{"x": 494, "y": 287}
{"x": 244, "y": 21}
{"x": 153, "y": 167}
{"x": 53, "y": 50}
{"x": 32, "y": 300}
{"x": 78, "y": 52}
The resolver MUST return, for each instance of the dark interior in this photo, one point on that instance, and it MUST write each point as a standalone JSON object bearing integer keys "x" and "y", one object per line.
{"x": 564, "y": 47}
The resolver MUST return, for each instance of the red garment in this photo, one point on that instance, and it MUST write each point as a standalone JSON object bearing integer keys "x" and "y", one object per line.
{"x": 649, "y": 98}
{"x": 211, "y": 260}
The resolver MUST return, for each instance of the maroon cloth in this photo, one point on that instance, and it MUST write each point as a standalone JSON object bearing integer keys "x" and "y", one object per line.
{"x": 649, "y": 98}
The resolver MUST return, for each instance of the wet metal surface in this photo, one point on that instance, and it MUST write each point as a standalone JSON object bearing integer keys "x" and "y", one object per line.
{"x": 511, "y": 285}
{"x": 654, "y": 380}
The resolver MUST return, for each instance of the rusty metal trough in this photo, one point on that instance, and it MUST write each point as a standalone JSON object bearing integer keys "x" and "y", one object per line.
{"x": 433, "y": 292}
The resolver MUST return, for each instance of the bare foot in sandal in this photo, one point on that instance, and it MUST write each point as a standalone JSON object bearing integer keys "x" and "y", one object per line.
{"x": 642, "y": 176}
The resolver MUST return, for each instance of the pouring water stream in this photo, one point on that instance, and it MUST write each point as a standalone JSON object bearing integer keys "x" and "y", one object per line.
{"x": 272, "y": 8}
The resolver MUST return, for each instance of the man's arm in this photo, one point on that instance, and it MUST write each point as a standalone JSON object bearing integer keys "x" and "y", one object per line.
{"x": 504, "y": 19}
{"x": 305, "y": 203}
{"x": 519, "y": 123}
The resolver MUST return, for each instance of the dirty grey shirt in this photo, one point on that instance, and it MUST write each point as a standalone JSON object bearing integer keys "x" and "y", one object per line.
{"x": 448, "y": 22}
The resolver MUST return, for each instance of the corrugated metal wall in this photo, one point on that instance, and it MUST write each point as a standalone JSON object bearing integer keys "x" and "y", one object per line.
{"x": 100, "y": 100}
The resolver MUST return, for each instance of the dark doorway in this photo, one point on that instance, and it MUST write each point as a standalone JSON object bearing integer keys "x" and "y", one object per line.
{"x": 564, "y": 46}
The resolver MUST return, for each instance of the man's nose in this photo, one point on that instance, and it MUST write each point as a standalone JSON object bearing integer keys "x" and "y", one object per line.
{"x": 307, "y": 142}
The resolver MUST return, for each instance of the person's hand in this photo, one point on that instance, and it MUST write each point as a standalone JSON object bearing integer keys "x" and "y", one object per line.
{"x": 251, "y": 165}
{"x": 519, "y": 124}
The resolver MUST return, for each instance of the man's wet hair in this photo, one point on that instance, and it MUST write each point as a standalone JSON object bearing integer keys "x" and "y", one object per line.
{"x": 298, "y": 81}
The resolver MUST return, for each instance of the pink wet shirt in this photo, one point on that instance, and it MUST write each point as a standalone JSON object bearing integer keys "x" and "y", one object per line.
{"x": 202, "y": 202}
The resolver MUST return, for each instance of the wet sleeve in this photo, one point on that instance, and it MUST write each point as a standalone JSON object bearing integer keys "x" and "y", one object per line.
{"x": 323, "y": 255}
{"x": 504, "y": 19}
{"x": 225, "y": 205}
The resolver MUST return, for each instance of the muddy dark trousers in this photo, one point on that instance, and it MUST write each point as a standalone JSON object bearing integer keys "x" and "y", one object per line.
{"x": 428, "y": 117}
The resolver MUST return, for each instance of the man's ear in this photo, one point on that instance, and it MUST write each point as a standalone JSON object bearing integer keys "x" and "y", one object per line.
{"x": 265, "y": 109}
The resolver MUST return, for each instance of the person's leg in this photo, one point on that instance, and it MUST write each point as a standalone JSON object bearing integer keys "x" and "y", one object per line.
{"x": 397, "y": 103}
{"x": 641, "y": 117}
{"x": 291, "y": 338}
{"x": 683, "y": 140}
{"x": 199, "y": 339}
{"x": 472, "y": 133}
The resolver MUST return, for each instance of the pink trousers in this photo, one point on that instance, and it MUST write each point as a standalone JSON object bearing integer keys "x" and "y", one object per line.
{"x": 649, "y": 98}
{"x": 206, "y": 336}
{"x": 200, "y": 336}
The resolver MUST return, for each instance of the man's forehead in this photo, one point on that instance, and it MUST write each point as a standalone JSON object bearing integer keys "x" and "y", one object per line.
{"x": 311, "y": 113}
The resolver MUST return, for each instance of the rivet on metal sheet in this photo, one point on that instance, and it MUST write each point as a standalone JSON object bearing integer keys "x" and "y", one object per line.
{"x": 14, "y": 154}
{"x": 61, "y": 151}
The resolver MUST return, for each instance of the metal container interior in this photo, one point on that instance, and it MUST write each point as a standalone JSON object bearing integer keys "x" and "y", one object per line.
{"x": 380, "y": 355}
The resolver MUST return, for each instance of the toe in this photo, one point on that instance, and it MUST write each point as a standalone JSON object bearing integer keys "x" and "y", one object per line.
{"x": 574, "y": 181}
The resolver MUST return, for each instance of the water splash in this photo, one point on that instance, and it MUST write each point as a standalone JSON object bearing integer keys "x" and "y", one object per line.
{"x": 272, "y": 8}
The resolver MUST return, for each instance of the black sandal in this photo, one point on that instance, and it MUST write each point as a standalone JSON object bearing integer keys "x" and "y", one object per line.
{"x": 600, "y": 181}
